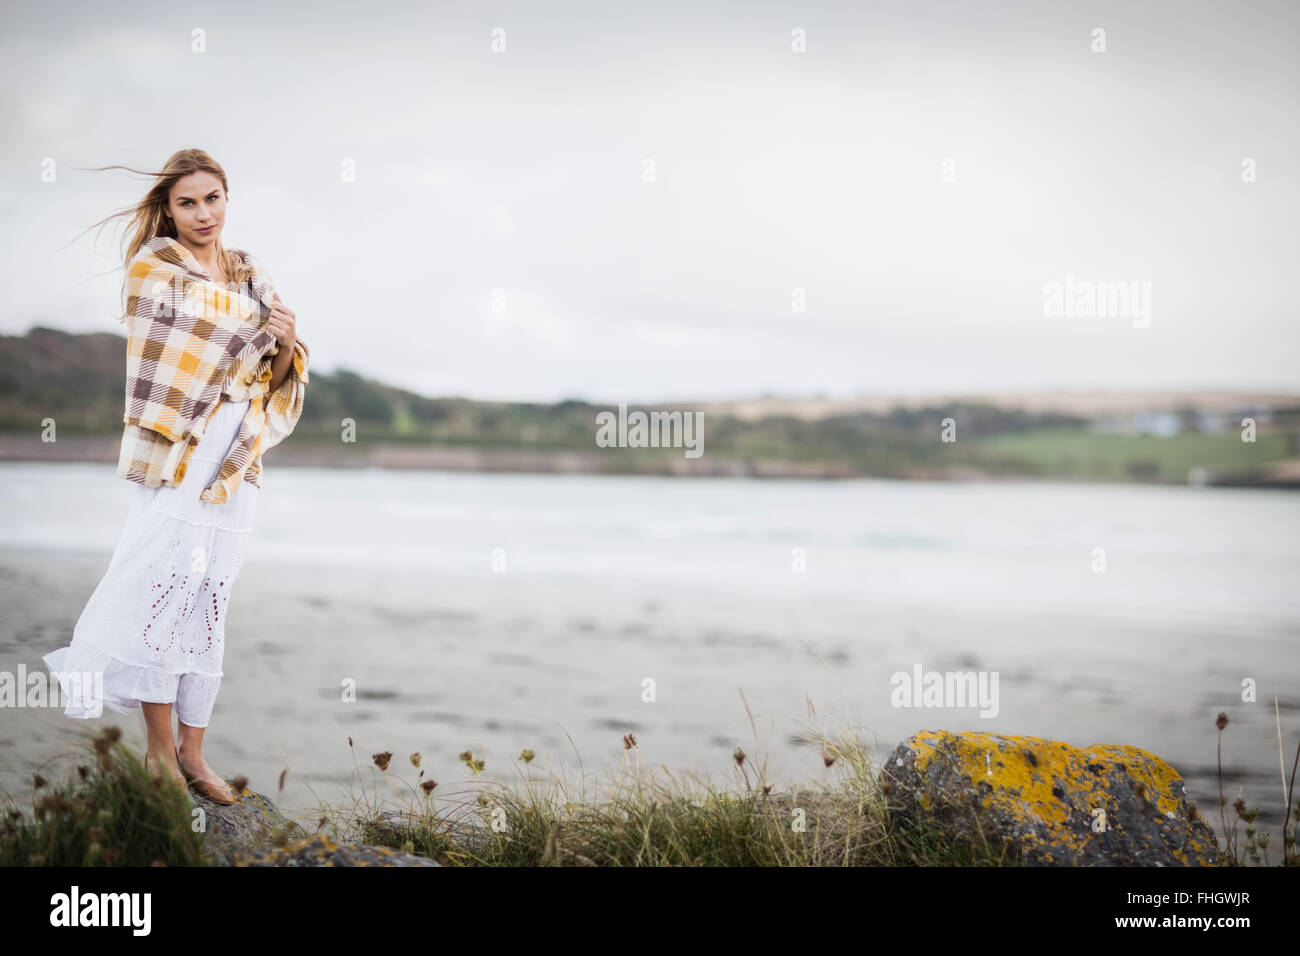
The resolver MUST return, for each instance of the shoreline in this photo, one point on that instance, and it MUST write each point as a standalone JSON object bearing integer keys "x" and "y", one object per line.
{"x": 104, "y": 449}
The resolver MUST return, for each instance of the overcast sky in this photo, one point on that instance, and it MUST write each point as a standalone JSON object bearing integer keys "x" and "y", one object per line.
{"x": 774, "y": 170}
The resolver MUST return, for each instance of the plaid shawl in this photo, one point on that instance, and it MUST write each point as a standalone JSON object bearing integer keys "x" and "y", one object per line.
{"x": 193, "y": 345}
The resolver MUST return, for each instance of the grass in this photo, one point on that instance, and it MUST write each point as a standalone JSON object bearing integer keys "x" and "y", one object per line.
{"x": 112, "y": 813}
{"x": 1088, "y": 455}
{"x": 1255, "y": 850}
{"x": 642, "y": 820}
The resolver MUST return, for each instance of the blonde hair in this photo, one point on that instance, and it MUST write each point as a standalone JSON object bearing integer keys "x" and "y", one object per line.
{"x": 149, "y": 220}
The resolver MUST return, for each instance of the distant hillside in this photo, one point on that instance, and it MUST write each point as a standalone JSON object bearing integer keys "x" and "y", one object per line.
{"x": 79, "y": 380}
{"x": 1080, "y": 403}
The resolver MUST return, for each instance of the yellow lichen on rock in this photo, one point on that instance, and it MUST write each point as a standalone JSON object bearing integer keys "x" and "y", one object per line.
{"x": 1055, "y": 802}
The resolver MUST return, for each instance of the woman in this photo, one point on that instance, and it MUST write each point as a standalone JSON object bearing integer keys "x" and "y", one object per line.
{"x": 216, "y": 375}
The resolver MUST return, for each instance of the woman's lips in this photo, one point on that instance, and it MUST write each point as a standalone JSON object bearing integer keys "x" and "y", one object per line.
{"x": 210, "y": 228}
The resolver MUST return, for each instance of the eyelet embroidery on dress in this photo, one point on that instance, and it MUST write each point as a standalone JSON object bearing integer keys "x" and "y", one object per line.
{"x": 194, "y": 565}
{"x": 212, "y": 596}
{"x": 163, "y": 590}
{"x": 188, "y": 590}
{"x": 214, "y": 607}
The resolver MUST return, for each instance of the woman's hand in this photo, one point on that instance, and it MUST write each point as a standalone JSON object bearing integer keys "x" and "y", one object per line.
{"x": 286, "y": 334}
{"x": 283, "y": 323}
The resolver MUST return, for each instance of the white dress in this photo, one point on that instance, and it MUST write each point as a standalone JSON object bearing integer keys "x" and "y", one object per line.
{"x": 155, "y": 626}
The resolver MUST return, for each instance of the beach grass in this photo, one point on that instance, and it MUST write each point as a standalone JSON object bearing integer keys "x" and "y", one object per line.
{"x": 641, "y": 818}
{"x": 111, "y": 812}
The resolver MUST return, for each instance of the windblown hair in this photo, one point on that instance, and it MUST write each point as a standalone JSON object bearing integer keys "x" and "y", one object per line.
{"x": 148, "y": 220}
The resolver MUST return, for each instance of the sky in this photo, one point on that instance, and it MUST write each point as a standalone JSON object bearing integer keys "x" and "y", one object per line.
{"x": 663, "y": 201}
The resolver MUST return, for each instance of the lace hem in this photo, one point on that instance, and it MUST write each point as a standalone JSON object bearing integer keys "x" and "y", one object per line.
{"x": 92, "y": 679}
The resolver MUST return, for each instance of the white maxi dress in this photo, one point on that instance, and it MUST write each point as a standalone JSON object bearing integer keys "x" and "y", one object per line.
{"x": 154, "y": 628}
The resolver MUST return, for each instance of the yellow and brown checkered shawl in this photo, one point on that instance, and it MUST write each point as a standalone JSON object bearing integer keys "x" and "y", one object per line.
{"x": 192, "y": 345}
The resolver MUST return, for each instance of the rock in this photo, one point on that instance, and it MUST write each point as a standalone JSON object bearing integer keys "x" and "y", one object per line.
{"x": 253, "y": 832}
{"x": 250, "y": 824}
{"x": 321, "y": 850}
{"x": 1039, "y": 799}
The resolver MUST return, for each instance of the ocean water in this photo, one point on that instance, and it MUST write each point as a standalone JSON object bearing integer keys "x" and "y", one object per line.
{"x": 558, "y": 613}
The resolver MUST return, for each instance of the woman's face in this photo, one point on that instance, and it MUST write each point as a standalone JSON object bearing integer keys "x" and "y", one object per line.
{"x": 197, "y": 205}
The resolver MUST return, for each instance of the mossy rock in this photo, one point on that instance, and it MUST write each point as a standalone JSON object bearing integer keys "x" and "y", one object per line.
{"x": 1043, "y": 802}
{"x": 321, "y": 850}
{"x": 253, "y": 822}
{"x": 253, "y": 832}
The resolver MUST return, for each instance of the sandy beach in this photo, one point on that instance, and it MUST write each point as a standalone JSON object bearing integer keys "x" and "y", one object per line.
{"x": 386, "y": 580}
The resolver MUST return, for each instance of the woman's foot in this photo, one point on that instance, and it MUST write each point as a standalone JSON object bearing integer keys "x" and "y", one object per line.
{"x": 164, "y": 762}
{"x": 203, "y": 778}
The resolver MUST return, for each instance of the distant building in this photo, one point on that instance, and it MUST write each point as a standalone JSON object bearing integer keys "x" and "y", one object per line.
{"x": 1262, "y": 414}
{"x": 1169, "y": 423}
{"x": 1212, "y": 421}
{"x": 1231, "y": 421}
{"x": 1156, "y": 423}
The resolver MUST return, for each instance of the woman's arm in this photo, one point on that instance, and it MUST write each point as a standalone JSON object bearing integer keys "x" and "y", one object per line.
{"x": 283, "y": 324}
{"x": 281, "y": 363}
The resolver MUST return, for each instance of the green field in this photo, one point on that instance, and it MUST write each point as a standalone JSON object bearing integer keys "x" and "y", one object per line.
{"x": 1081, "y": 454}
